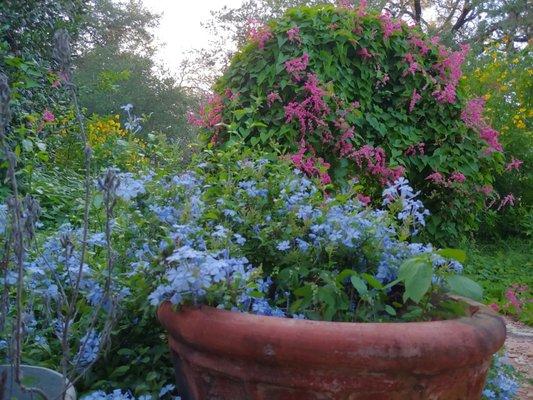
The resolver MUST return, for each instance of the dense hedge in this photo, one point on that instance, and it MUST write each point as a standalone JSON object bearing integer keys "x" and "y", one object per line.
{"x": 349, "y": 94}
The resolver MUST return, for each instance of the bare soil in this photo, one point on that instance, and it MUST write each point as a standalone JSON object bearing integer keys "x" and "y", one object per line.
{"x": 519, "y": 346}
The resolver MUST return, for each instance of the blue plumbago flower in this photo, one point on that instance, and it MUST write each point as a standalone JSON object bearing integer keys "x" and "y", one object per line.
{"x": 250, "y": 187}
{"x": 166, "y": 389}
{"x": 129, "y": 187}
{"x": 302, "y": 244}
{"x": 413, "y": 210}
{"x": 220, "y": 232}
{"x": 284, "y": 245}
{"x": 89, "y": 349}
{"x": 194, "y": 272}
{"x": 240, "y": 240}
{"x": 97, "y": 239}
{"x": 501, "y": 383}
{"x": 262, "y": 307}
{"x": 188, "y": 180}
{"x": 127, "y": 107}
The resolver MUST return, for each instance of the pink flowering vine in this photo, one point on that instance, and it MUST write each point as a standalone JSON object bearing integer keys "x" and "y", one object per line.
{"x": 508, "y": 200}
{"x": 472, "y": 114}
{"x": 210, "y": 114}
{"x": 457, "y": 177}
{"x": 413, "y": 150}
{"x": 48, "y": 116}
{"x": 297, "y": 66}
{"x": 311, "y": 111}
{"x": 415, "y": 98}
{"x": 486, "y": 190}
{"x": 365, "y": 200}
{"x": 420, "y": 44}
{"x": 490, "y": 136}
{"x": 364, "y": 53}
{"x": 514, "y": 164}
{"x": 345, "y": 3}
{"x": 361, "y": 8}
{"x": 272, "y": 97}
{"x": 259, "y": 33}
{"x": 389, "y": 25}
{"x": 294, "y": 35}
{"x": 413, "y": 65}
{"x": 311, "y": 165}
{"x": 437, "y": 178}
{"x": 449, "y": 68}
{"x": 374, "y": 161}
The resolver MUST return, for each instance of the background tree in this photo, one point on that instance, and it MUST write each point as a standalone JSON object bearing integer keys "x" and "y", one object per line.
{"x": 477, "y": 22}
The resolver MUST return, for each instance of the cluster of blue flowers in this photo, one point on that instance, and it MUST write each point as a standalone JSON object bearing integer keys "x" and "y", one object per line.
{"x": 501, "y": 383}
{"x": 117, "y": 394}
{"x": 412, "y": 210}
{"x": 211, "y": 251}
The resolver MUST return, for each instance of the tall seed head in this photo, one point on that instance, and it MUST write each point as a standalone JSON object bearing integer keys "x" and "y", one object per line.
{"x": 62, "y": 52}
{"x": 5, "y": 95}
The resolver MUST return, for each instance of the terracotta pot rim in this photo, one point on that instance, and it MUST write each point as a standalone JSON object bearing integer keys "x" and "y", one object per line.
{"x": 389, "y": 345}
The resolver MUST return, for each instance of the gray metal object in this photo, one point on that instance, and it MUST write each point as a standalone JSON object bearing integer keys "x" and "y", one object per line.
{"x": 48, "y": 381}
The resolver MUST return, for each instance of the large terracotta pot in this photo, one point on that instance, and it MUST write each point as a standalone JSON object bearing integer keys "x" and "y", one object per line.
{"x": 222, "y": 355}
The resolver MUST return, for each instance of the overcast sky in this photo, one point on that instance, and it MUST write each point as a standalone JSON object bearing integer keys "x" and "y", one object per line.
{"x": 180, "y": 28}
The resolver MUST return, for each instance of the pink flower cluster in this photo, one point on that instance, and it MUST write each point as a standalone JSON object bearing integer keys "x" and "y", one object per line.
{"x": 490, "y": 136}
{"x": 297, "y": 66}
{"x": 210, "y": 114}
{"x": 345, "y": 3}
{"x": 415, "y": 149}
{"x": 374, "y": 160}
{"x": 486, "y": 189}
{"x": 364, "y": 53}
{"x": 389, "y": 25}
{"x": 450, "y": 72}
{"x": 48, "y": 116}
{"x": 413, "y": 65}
{"x": 259, "y": 33}
{"x": 272, "y": 97}
{"x": 365, "y": 200}
{"x": 508, "y": 200}
{"x": 309, "y": 112}
{"x": 415, "y": 98}
{"x": 420, "y": 44}
{"x": 514, "y": 164}
{"x": 472, "y": 116}
{"x": 439, "y": 179}
{"x": 361, "y": 8}
{"x": 294, "y": 35}
{"x": 311, "y": 165}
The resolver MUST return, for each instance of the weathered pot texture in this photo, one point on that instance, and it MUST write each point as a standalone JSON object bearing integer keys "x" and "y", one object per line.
{"x": 222, "y": 355}
{"x": 48, "y": 382}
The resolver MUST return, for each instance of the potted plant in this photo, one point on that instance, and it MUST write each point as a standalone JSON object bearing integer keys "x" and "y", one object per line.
{"x": 271, "y": 287}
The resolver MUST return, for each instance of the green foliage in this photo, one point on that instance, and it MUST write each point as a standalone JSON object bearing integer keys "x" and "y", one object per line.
{"x": 124, "y": 77}
{"x": 504, "y": 79}
{"x": 371, "y": 95}
{"x": 499, "y": 265}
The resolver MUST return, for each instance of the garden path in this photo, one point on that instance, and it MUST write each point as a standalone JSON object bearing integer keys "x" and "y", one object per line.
{"x": 519, "y": 346}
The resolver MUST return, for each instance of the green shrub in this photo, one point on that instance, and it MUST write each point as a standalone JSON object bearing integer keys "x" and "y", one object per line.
{"x": 353, "y": 95}
{"x": 506, "y": 79}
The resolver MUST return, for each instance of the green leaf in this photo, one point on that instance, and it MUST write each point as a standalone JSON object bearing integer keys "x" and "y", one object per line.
{"x": 372, "y": 281}
{"x": 464, "y": 286}
{"x": 359, "y": 285}
{"x": 416, "y": 274}
{"x": 455, "y": 254}
{"x": 390, "y": 310}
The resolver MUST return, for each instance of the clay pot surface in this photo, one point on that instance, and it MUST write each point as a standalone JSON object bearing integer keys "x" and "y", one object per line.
{"x": 223, "y": 355}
